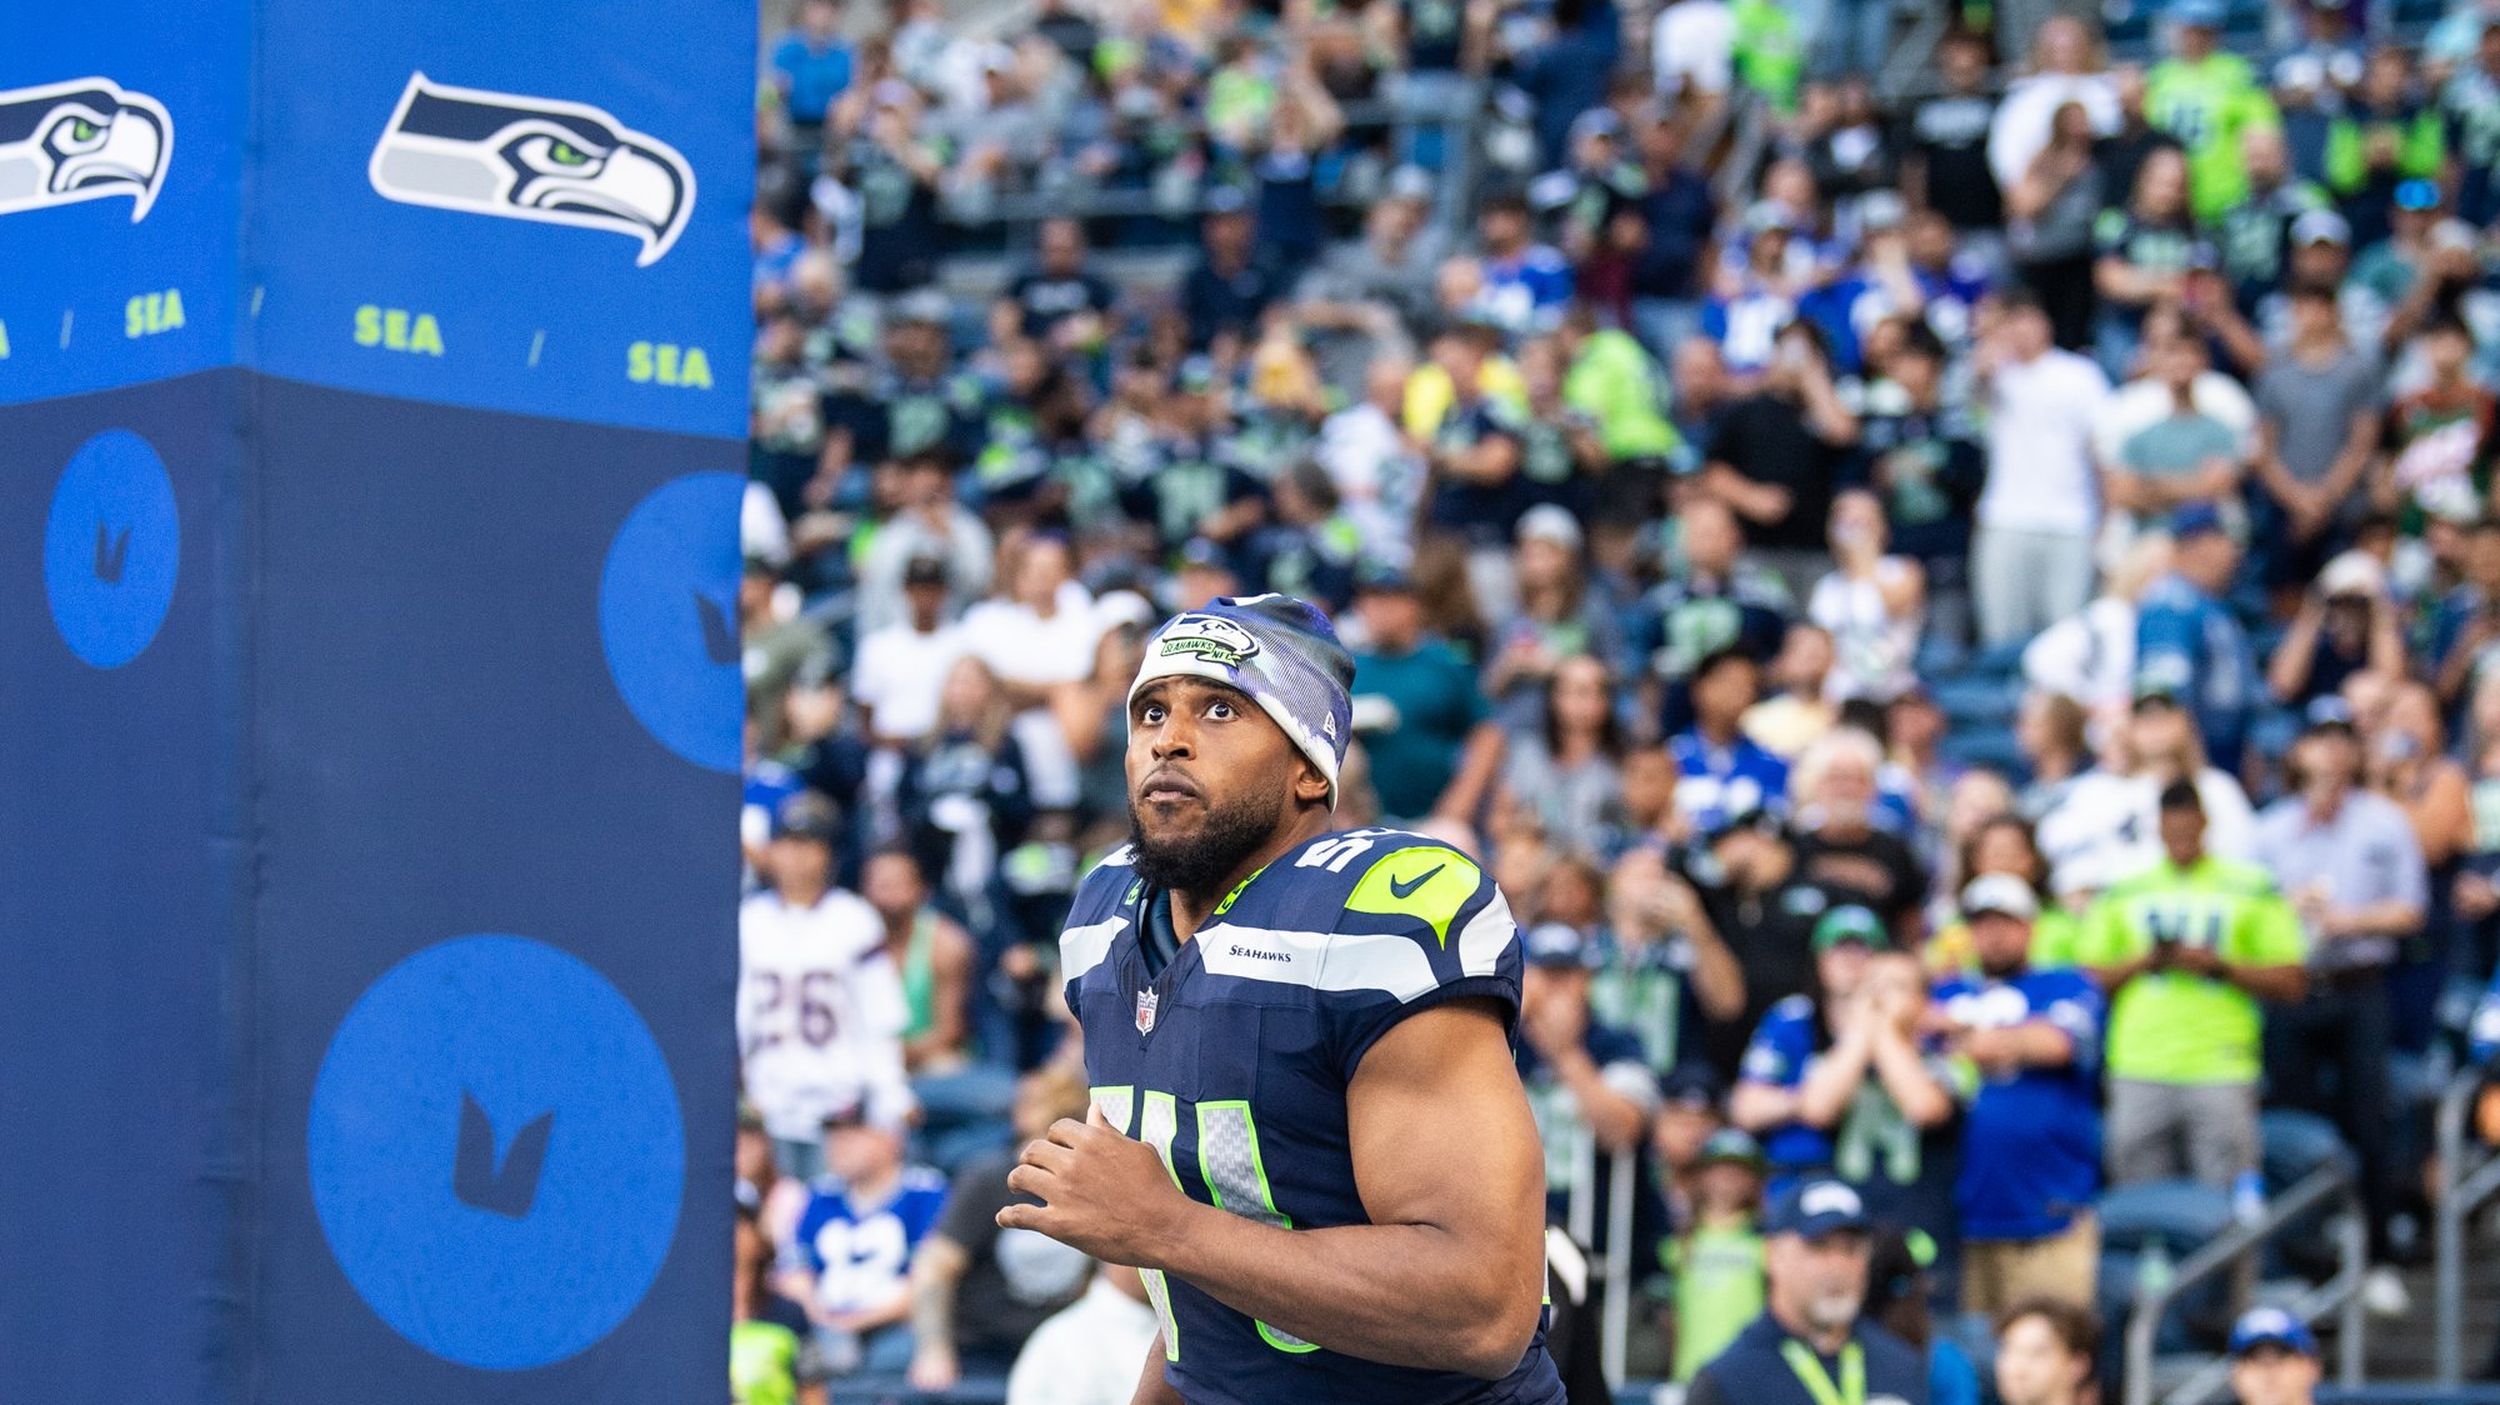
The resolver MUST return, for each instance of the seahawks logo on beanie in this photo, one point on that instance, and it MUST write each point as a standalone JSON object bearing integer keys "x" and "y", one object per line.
{"x": 1281, "y": 652}
{"x": 1208, "y": 637}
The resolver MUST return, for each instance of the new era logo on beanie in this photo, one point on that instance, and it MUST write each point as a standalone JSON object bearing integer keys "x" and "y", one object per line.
{"x": 1280, "y": 652}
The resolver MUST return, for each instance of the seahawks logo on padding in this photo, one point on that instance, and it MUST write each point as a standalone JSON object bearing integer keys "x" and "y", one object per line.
{"x": 529, "y": 158}
{"x": 86, "y": 139}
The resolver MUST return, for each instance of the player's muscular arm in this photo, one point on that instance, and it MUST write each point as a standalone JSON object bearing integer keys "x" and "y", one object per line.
{"x": 1448, "y": 1276}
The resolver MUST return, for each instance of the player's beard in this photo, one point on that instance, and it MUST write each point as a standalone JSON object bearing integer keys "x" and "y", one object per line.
{"x": 1201, "y": 861}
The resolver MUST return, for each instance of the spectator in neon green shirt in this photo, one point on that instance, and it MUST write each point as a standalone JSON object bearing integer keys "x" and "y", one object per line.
{"x": 1714, "y": 1268}
{"x": 1770, "y": 55}
{"x": 2207, "y": 99}
{"x": 1613, "y": 380}
{"x": 2186, "y": 949}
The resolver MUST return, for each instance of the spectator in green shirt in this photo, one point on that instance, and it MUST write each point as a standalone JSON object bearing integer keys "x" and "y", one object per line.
{"x": 1714, "y": 1268}
{"x": 2207, "y": 99}
{"x": 2186, "y": 949}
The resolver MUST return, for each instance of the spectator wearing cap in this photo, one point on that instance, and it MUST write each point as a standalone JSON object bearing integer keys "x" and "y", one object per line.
{"x": 2145, "y": 249}
{"x": 1713, "y": 1266}
{"x": 1714, "y": 599}
{"x": 2321, "y": 254}
{"x": 2349, "y": 860}
{"x": 2318, "y": 416}
{"x": 2031, "y": 1145}
{"x": 1689, "y": 1115}
{"x": 820, "y": 1007}
{"x": 1417, "y": 710}
{"x": 2395, "y": 265}
{"x": 2207, "y": 97}
{"x": 863, "y": 1224}
{"x": 1584, "y": 1079}
{"x": 2274, "y": 1359}
{"x": 2346, "y": 625}
{"x": 1839, "y": 1083}
{"x": 2187, "y": 641}
{"x": 2031, "y": 552}
{"x": 902, "y": 668}
{"x": 2383, "y": 133}
{"x": 1775, "y": 455}
{"x": 2185, "y": 951}
{"x": 1557, "y": 616}
{"x": 1812, "y": 1345}
{"x": 1765, "y": 908}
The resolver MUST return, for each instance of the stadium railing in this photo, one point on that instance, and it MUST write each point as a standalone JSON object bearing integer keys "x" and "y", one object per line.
{"x": 1614, "y": 1288}
{"x": 2463, "y": 1188}
{"x": 2336, "y": 1184}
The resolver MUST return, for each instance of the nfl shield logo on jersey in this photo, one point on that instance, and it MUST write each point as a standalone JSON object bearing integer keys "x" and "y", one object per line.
{"x": 1146, "y": 1000}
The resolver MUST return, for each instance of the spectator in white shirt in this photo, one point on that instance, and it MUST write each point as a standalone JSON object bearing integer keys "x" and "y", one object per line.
{"x": 1038, "y": 636}
{"x": 2065, "y": 69}
{"x": 1092, "y": 1351}
{"x": 1692, "y": 48}
{"x": 1378, "y": 475}
{"x": 903, "y": 667}
{"x": 821, "y": 1009}
{"x": 2031, "y": 559}
{"x": 2107, "y": 826}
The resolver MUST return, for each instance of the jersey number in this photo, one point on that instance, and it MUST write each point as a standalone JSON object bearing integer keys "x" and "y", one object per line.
{"x": 1228, "y": 1164}
{"x": 812, "y": 994}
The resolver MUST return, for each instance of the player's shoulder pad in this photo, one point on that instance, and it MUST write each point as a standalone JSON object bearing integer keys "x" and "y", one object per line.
{"x": 1350, "y": 880}
{"x": 1105, "y": 902}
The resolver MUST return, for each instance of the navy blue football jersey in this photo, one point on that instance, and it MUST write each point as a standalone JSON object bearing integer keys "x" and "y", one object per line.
{"x": 1233, "y": 1061}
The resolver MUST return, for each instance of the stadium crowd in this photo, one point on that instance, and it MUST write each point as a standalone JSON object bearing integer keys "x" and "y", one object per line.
{"x": 1964, "y": 627}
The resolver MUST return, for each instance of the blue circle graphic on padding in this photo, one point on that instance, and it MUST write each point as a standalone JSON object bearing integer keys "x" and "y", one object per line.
{"x": 668, "y": 617}
{"x": 111, "y": 549}
{"x": 496, "y": 1152}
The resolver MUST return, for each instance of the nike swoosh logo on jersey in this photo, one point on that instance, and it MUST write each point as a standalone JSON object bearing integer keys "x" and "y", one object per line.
{"x": 1405, "y": 890}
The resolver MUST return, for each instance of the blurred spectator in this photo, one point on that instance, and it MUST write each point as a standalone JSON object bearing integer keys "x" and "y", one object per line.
{"x": 864, "y": 1223}
{"x": 2207, "y": 98}
{"x": 777, "y": 648}
{"x": 1845, "y": 838}
{"x": 2187, "y": 642}
{"x": 1745, "y": 868}
{"x": 2348, "y": 859}
{"x": 903, "y": 667}
{"x": 1567, "y": 771}
{"x": 1714, "y": 1265}
{"x": 1092, "y": 1351}
{"x": 933, "y": 955}
{"x": 1873, "y": 603}
{"x": 1774, "y": 455}
{"x": 2274, "y": 1359}
{"x": 2186, "y": 949}
{"x": 1692, "y": 49}
{"x": 978, "y": 1291}
{"x": 1717, "y": 602}
{"x": 1417, "y": 708}
{"x": 820, "y": 1009}
{"x": 1676, "y": 216}
{"x": 772, "y": 1357}
{"x": 1231, "y": 285}
{"x": 966, "y": 794}
{"x": 2318, "y": 408}
{"x": 2255, "y": 235}
{"x": 2147, "y": 247}
{"x": 2346, "y": 625}
{"x": 811, "y": 66}
{"x": 1583, "y": 1078}
{"x": 1899, "y": 1290}
{"x": 1559, "y": 615}
{"x": 1664, "y": 969}
{"x": 2031, "y": 1146}
{"x": 2066, "y": 69}
{"x": 2031, "y": 558}
{"x": 1946, "y": 168}
{"x": 1721, "y": 772}
{"x": 1060, "y": 301}
{"x": 2002, "y": 845}
{"x": 1798, "y": 710}
{"x": 2156, "y": 464}
{"x": 1925, "y": 465}
{"x": 2048, "y": 1350}
{"x": 1524, "y": 283}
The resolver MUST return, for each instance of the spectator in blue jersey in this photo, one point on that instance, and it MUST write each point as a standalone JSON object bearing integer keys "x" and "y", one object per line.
{"x": 1813, "y": 1345}
{"x": 1717, "y": 601}
{"x": 852, "y": 1253}
{"x": 1583, "y": 1078}
{"x": 2187, "y": 642}
{"x": 1842, "y": 1082}
{"x": 1720, "y": 771}
{"x": 1525, "y": 284}
{"x": 811, "y": 67}
{"x": 2031, "y": 1143}
{"x": 1759, "y": 296}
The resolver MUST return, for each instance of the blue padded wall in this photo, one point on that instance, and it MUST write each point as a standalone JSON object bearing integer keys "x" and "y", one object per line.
{"x": 372, "y": 385}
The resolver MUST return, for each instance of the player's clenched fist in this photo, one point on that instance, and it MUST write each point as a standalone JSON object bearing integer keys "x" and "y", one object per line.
{"x": 1102, "y": 1192}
